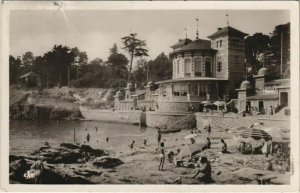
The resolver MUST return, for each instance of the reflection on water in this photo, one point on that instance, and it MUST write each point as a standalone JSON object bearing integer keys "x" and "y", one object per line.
{"x": 26, "y": 136}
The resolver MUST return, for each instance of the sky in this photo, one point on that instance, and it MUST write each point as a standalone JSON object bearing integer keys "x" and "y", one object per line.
{"x": 95, "y": 32}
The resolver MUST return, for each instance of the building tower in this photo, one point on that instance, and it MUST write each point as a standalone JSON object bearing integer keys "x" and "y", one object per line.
{"x": 230, "y": 45}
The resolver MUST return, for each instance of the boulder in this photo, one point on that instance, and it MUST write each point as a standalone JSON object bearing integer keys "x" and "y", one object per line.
{"x": 106, "y": 162}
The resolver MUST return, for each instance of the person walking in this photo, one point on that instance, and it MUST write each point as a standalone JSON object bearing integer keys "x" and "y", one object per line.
{"x": 162, "y": 156}
{"x": 158, "y": 137}
{"x": 107, "y": 139}
{"x": 145, "y": 142}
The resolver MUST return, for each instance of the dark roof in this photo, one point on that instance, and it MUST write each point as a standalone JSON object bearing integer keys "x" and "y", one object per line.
{"x": 198, "y": 44}
{"x": 181, "y": 43}
{"x": 263, "y": 97}
{"x": 190, "y": 79}
{"x": 32, "y": 74}
{"x": 227, "y": 30}
{"x": 278, "y": 82}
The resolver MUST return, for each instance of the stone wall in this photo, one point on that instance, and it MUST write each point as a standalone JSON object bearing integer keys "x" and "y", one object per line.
{"x": 116, "y": 116}
{"x": 177, "y": 106}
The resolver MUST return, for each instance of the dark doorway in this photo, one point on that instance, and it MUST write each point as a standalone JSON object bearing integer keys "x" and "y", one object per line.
{"x": 248, "y": 107}
{"x": 261, "y": 107}
{"x": 201, "y": 107}
{"x": 284, "y": 99}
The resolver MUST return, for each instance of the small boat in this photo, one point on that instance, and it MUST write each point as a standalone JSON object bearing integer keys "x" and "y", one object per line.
{"x": 135, "y": 123}
{"x": 168, "y": 130}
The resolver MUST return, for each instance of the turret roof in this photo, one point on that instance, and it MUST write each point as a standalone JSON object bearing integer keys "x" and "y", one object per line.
{"x": 227, "y": 30}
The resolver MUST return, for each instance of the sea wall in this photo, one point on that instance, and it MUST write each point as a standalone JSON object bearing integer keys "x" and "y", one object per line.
{"x": 233, "y": 120}
{"x": 117, "y": 116}
{"x": 158, "y": 119}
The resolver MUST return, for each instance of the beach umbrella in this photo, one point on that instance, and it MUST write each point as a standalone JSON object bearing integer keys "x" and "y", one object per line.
{"x": 236, "y": 130}
{"x": 277, "y": 134}
{"x": 255, "y": 134}
{"x": 220, "y": 103}
{"x": 191, "y": 149}
{"x": 191, "y": 136}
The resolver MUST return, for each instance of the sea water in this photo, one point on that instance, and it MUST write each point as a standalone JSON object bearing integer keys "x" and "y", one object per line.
{"x": 27, "y": 136}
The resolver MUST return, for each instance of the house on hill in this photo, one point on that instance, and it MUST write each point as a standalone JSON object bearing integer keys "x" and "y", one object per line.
{"x": 30, "y": 79}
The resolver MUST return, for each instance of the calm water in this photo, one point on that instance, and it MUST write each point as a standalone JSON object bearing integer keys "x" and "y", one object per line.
{"x": 26, "y": 136}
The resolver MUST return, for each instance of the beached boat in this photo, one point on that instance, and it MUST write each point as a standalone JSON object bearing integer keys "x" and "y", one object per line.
{"x": 168, "y": 130}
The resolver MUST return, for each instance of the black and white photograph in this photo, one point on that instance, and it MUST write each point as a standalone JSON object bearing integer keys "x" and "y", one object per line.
{"x": 150, "y": 96}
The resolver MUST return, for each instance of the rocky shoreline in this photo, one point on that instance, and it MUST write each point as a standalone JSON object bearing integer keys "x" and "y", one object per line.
{"x": 65, "y": 164}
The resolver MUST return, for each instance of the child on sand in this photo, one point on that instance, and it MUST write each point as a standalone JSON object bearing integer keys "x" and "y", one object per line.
{"x": 162, "y": 156}
{"x": 131, "y": 145}
{"x": 224, "y": 146}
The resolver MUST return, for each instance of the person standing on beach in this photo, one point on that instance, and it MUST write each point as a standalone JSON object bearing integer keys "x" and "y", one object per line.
{"x": 158, "y": 137}
{"x": 96, "y": 128}
{"x": 209, "y": 129}
{"x": 107, "y": 139}
{"x": 88, "y": 137}
{"x": 162, "y": 156}
{"x": 145, "y": 142}
{"x": 208, "y": 143}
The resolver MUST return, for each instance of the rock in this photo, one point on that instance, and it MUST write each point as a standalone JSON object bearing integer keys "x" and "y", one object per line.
{"x": 70, "y": 145}
{"x": 106, "y": 162}
{"x": 92, "y": 151}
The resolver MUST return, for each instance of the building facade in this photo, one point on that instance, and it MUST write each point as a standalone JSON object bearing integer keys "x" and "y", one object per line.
{"x": 204, "y": 71}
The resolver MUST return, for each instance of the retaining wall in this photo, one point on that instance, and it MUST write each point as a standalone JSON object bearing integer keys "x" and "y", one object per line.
{"x": 117, "y": 116}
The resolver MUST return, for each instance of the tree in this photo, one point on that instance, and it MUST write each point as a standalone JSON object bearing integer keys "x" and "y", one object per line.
{"x": 140, "y": 72}
{"x": 27, "y": 59}
{"x": 160, "y": 68}
{"x": 14, "y": 69}
{"x": 135, "y": 48}
{"x": 280, "y": 48}
{"x": 59, "y": 59}
{"x": 118, "y": 63}
{"x": 256, "y": 47}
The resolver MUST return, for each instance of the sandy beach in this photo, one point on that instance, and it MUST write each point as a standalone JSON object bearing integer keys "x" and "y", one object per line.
{"x": 140, "y": 165}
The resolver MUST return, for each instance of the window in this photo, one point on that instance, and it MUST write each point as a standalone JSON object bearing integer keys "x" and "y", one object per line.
{"x": 197, "y": 67}
{"x": 187, "y": 66}
{"x": 180, "y": 89}
{"x": 217, "y": 43}
{"x": 220, "y": 43}
{"x": 194, "y": 89}
{"x": 178, "y": 66}
{"x": 219, "y": 66}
